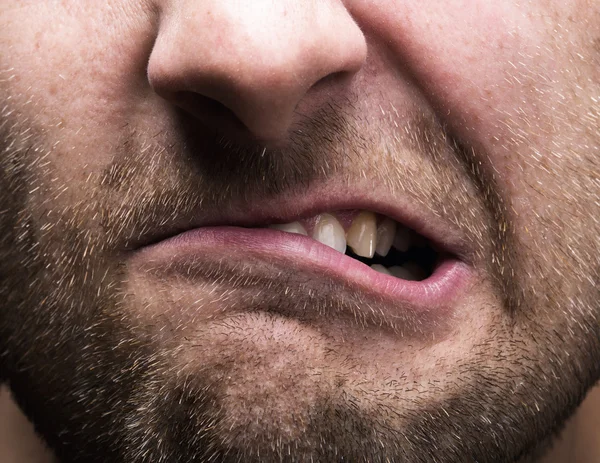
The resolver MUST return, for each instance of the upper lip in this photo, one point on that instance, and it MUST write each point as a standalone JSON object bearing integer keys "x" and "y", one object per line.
{"x": 296, "y": 206}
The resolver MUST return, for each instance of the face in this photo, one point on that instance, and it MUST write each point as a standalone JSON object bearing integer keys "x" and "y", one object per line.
{"x": 156, "y": 156}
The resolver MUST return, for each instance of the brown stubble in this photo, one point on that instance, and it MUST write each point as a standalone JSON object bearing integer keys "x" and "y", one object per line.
{"x": 65, "y": 245}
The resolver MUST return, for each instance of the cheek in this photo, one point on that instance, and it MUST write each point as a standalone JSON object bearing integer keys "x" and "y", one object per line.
{"x": 461, "y": 54}
{"x": 502, "y": 75}
{"x": 513, "y": 80}
{"x": 76, "y": 75}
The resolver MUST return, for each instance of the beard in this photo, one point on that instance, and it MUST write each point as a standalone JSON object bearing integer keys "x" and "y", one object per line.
{"x": 109, "y": 375}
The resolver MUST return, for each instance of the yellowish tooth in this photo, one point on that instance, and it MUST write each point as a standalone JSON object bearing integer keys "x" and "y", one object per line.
{"x": 380, "y": 269}
{"x": 386, "y": 231}
{"x": 402, "y": 239}
{"x": 294, "y": 227}
{"x": 403, "y": 273}
{"x": 362, "y": 234}
{"x": 330, "y": 232}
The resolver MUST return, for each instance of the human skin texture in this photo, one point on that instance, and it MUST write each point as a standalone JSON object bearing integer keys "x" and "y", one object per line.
{"x": 125, "y": 123}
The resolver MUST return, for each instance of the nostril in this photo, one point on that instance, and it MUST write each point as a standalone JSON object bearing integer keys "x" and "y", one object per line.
{"x": 332, "y": 79}
{"x": 209, "y": 112}
{"x": 249, "y": 68}
{"x": 328, "y": 88}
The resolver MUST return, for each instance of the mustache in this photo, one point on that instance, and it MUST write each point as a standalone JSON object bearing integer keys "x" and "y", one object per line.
{"x": 322, "y": 145}
{"x": 152, "y": 177}
{"x": 162, "y": 180}
{"x": 231, "y": 168}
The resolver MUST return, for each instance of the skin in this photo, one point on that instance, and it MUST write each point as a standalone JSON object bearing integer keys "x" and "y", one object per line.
{"x": 123, "y": 120}
{"x": 578, "y": 442}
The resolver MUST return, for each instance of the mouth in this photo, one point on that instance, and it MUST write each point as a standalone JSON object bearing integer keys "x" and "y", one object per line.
{"x": 370, "y": 253}
{"x": 375, "y": 240}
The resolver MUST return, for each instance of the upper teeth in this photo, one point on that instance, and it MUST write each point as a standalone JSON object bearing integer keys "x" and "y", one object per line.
{"x": 385, "y": 236}
{"x": 329, "y": 231}
{"x": 402, "y": 239}
{"x": 364, "y": 237}
{"x": 294, "y": 227}
{"x": 362, "y": 234}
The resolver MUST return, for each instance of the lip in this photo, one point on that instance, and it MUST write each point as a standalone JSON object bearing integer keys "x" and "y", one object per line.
{"x": 315, "y": 260}
{"x": 326, "y": 198}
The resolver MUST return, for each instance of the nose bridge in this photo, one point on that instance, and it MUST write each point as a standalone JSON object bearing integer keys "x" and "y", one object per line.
{"x": 257, "y": 58}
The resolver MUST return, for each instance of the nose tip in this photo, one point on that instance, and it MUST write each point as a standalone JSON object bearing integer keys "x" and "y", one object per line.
{"x": 258, "y": 59}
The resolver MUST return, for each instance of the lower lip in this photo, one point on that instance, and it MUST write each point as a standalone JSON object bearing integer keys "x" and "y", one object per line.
{"x": 313, "y": 258}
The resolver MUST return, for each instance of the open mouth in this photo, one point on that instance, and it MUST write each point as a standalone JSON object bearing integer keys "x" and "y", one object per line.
{"x": 364, "y": 251}
{"x": 378, "y": 241}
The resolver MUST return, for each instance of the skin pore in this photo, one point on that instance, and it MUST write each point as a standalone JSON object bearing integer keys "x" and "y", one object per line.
{"x": 124, "y": 122}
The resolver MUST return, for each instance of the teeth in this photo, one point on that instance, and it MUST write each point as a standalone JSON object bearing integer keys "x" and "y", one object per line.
{"x": 329, "y": 232}
{"x": 385, "y": 236}
{"x": 404, "y": 272}
{"x": 294, "y": 227}
{"x": 402, "y": 240}
{"x": 380, "y": 269}
{"x": 365, "y": 238}
{"x": 362, "y": 234}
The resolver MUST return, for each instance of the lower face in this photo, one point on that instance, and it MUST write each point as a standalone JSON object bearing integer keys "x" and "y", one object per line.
{"x": 125, "y": 341}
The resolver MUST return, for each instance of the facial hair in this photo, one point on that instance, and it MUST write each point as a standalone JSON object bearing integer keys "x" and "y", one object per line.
{"x": 103, "y": 383}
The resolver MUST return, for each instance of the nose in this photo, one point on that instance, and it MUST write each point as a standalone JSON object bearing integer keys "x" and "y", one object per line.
{"x": 253, "y": 62}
